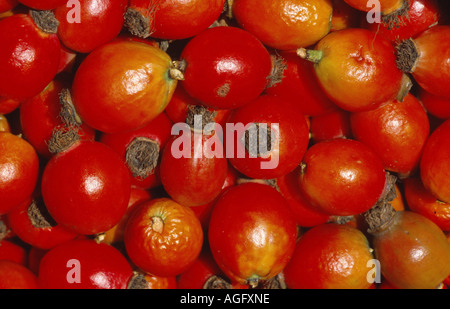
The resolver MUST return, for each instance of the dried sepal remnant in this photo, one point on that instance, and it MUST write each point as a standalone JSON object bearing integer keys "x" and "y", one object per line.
{"x": 142, "y": 156}
{"x": 62, "y": 139}
{"x": 45, "y": 21}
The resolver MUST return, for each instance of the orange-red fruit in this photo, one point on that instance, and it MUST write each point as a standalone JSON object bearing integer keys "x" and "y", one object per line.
{"x": 252, "y": 233}
{"x": 413, "y": 252}
{"x": 330, "y": 256}
{"x": 285, "y": 24}
{"x": 163, "y": 237}
{"x": 356, "y": 68}
{"x": 434, "y": 164}
{"x": 19, "y": 167}
{"x": 342, "y": 177}
{"x": 396, "y": 132}
{"x": 16, "y": 276}
{"x": 138, "y": 73}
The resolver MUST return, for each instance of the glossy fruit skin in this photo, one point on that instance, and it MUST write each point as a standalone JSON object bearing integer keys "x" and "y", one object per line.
{"x": 342, "y": 177}
{"x": 413, "y": 252}
{"x": 335, "y": 124}
{"x": 97, "y": 182}
{"x": 431, "y": 68}
{"x": 4, "y": 124}
{"x": 8, "y": 106}
{"x": 252, "y": 233}
{"x": 40, "y": 237}
{"x": 11, "y": 251}
{"x": 43, "y": 5}
{"x": 176, "y": 19}
{"x": 423, "y": 202}
{"x": 386, "y": 6}
{"x": 6, "y": 5}
{"x": 158, "y": 130}
{"x": 226, "y": 67}
{"x": 279, "y": 24}
{"x": 101, "y": 21}
{"x": 422, "y": 14}
{"x": 16, "y": 276}
{"x": 161, "y": 283}
{"x": 29, "y": 58}
{"x": 19, "y": 168}
{"x": 396, "y": 132}
{"x": 138, "y": 72}
{"x": 436, "y": 106}
{"x": 329, "y": 256}
{"x": 100, "y": 266}
{"x": 168, "y": 252}
{"x": 305, "y": 214}
{"x": 366, "y": 79}
{"x": 289, "y": 137}
{"x": 434, "y": 170}
{"x": 194, "y": 177}
{"x": 39, "y": 117}
{"x": 300, "y": 84}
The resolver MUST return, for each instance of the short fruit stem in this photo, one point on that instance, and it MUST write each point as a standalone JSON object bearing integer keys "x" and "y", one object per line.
{"x": 312, "y": 55}
{"x": 157, "y": 224}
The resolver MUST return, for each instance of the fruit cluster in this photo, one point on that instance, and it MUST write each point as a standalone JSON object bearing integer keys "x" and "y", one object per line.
{"x": 224, "y": 144}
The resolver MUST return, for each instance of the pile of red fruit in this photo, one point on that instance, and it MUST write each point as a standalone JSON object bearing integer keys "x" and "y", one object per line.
{"x": 224, "y": 144}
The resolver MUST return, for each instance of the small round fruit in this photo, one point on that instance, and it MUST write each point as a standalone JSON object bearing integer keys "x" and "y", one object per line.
{"x": 342, "y": 177}
{"x": 16, "y": 276}
{"x": 225, "y": 67}
{"x": 330, "y": 256}
{"x": 252, "y": 233}
{"x": 285, "y": 24}
{"x": 140, "y": 75}
{"x": 162, "y": 237}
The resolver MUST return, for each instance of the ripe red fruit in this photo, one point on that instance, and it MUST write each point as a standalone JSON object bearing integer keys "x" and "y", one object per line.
{"x": 171, "y": 19}
{"x": 274, "y": 141}
{"x": 19, "y": 167}
{"x": 420, "y": 200}
{"x": 434, "y": 163}
{"x": 252, "y": 233}
{"x": 342, "y": 177}
{"x": 225, "y": 67}
{"x": 285, "y": 24}
{"x": 163, "y": 237}
{"x": 84, "y": 264}
{"x": 414, "y": 17}
{"x": 330, "y": 256}
{"x": 396, "y": 132}
{"x": 436, "y": 106}
{"x": 29, "y": 57}
{"x": 86, "y": 187}
{"x": 413, "y": 252}
{"x": 335, "y": 124}
{"x": 11, "y": 251}
{"x": 141, "y": 150}
{"x": 299, "y": 84}
{"x": 33, "y": 225}
{"x": 16, "y": 276}
{"x": 40, "y": 116}
{"x": 426, "y": 57}
{"x": 195, "y": 175}
{"x": 6, "y": 5}
{"x": 140, "y": 75}
{"x": 99, "y": 22}
{"x": 356, "y": 69}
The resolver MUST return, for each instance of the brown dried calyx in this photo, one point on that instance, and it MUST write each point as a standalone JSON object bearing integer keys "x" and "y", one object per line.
{"x": 407, "y": 55}
{"x": 258, "y": 140}
{"x": 139, "y": 24}
{"x": 68, "y": 114}
{"x": 39, "y": 215}
{"x": 142, "y": 156}
{"x": 217, "y": 283}
{"x": 278, "y": 67}
{"x": 196, "y": 111}
{"x": 379, "y": 217}
{"x": 45, "y": 21}
{"x": 397, "y": 18}
{"x": 138, "y": 282}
